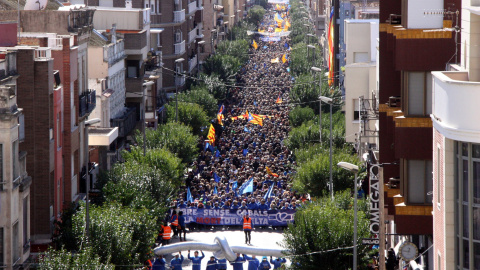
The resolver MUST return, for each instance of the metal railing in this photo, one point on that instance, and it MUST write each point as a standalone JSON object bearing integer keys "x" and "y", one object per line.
{"x": 180, "y": 81}
{"x": 125, "y": 123}
{"x": 180, "y": 47}
{"x": 192, "y": 35}
{"x": 179, "y": 16}
{"x": 192, "y": 63}
{"x": 192, "y": 7}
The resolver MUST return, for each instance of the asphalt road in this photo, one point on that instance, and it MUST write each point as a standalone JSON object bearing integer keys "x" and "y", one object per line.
{"x": 260, "y": 239}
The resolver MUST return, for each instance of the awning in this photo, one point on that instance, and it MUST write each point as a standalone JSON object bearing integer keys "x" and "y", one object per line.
{"x": 156, "y": 30}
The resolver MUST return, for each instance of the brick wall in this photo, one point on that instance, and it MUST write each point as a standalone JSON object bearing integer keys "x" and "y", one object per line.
{"x": 135, "y": 41}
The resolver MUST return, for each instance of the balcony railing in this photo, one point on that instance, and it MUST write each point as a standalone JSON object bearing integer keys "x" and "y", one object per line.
{"x": 180, "y": 47}
{"x": 55, "y": 43}
{"x": 192, "y": 7}
{"x": 91, "y": 100}
{"x": 87, "y": 102}
{"x": 125, "y": 123}
{"x": 43, "y": 52}
{"x": 192, "y": 63}
{"x": 179, "y": 16}
{"x": 192, "y": 35}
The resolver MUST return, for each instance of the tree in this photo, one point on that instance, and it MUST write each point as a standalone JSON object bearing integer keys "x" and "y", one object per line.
{"x": 255, "y": 14}
{"x": 201, "y": 96}
{"x": 302, "y": 59}
{"x": 236, "y": 48}
{"x": 240, "y": 30}
{"x": 64, "y": 260}
{"x": 175, "y": 137}
{"x": 122, "y": 235}
{"x": 303, "y": 136}
{"x": 300, "y": 115}
{"x": 325, "y": 228}
{"x": 313, "y": 175}
{"x": 190, "y": 114}
{"x": 214, "y": 85}
{"x": 225, "y": 66}
{"x": 170, "y": 166}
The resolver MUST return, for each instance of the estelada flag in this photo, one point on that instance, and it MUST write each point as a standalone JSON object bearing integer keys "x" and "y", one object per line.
{"x": 220, "y": 118}
{"x": 211, "y": 134}
{"x": 254, "y": 44}
{"x": 284, "y": 58}
{"x": 255, "y": 119}
{"x": 270, "y": 172}
{"x": 279, "y": 100}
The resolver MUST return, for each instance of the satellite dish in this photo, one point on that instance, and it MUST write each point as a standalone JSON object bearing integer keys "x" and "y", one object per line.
{"x": 36, "y": 4}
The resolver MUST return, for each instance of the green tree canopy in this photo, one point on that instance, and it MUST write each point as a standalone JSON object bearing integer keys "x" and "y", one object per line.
{"x": 225, "y": 66}
{"x": 255, "y": 14}
{"x": 62, "y": 259}
{"x": 200, "y": 95}
{"x": 325, "y": 228}
{"x": 300, "y": 115}
{"x": 190, "y": 114}
{"x": 236, "y": 48}
{"x": 175, "y": 137}
{"x": 303, "y": 59}
{"x": 122, "y": 235}
{"x": 214, "y": 85}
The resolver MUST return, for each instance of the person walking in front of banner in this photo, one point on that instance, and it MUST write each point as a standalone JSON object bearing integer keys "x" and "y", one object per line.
{"x": 264, "y": 264}
{"x": 166, "y": 233}
{"x": 238, "y": 263}
{"x": 181, "y": 226}
{"x": 391, "y": 261}
{"x": 247, "y": 228}
{"x": 174, "y": 223}
{"x": 253, "y": 262}
{"x": 277, "y": 263}
{"x": 212, "y": 264}
{"x": 159, "y": 263}
{"x": 176, "y": 263}
{"x": 196, "y": 260}
{"x": 221, "y": 264}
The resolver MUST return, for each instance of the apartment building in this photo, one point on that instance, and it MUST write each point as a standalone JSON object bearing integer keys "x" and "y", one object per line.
{"x": 412, "y": 44}
{"x": 212, "y": 22}
{"x": 456, "y": 148}
{"x": 14, "y": 180}
{"x": 361, "y": 121}
{"x": 73, "y": 28}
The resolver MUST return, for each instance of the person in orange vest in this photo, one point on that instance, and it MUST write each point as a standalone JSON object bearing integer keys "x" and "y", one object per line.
{"x": 166, "y": 233}
{"x": 247, "y": 228}
{"x": 174, "y": 223}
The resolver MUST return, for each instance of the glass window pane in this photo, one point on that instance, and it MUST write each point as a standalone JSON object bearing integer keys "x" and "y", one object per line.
{"x": 416, "y": 178}
{"x": 415, "y": 92}
{"x": 476, "y": 150}
{"x": 429, "y": 93}
{"x": 476, "y": 254}
{"x": 466, "y": 255}
{"x": 429, "y": 181}
{"x": 476, "y": 181}
{"x": 465, "y": 149}
{"x": 465, "y": 180}
{"x": 476, "y": 223}
{"x": 465, "y": 220}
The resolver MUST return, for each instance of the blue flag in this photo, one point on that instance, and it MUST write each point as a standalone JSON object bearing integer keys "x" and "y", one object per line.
{"x": 211, "y": 148}
{"x": 254, "y": 144}
{"x": 215, "y": 192}
{"x": 245, "y": 152}
{"x": 234, "y": 185}
{"x": 246, "y": 129}
{"x": 189, "y": 195}
{"x": 207, "y": 146}
{"x": 255, "y": 103}
{"x": 217, "y": 154}
{"x": 269, "y": 192}
{"x": 216, "y": 177}
{"x": 246, "y": 187}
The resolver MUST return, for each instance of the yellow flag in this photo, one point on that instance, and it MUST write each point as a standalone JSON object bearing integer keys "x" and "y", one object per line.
{"x": 211, "y": 134}
{"x": 255, "y": 45}
{"x": 284, "y": 58}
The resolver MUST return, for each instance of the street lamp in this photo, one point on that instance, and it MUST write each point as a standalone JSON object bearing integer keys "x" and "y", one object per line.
{"x": 310, "y": 35}
{"x": 353, "y": 168}
{"x": 213, "y": 31}
{"x": 329, "y": 101}
{"x": 198, "y": 57}
{"x": 87, "y": 160}
{"x": 176, "y": 87}
{"x": 316, "y": 69}
{"x": 313, "y": 48}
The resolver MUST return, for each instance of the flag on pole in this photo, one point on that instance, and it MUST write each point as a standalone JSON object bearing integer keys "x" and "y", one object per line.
{"x": 269, "y": 192}
{"x": 234, "y": 187}
{"x": 216, "y": 177}
{"x": 246, "y": 187}
{"x": 189, "y": 195}
{"x": 270, "y": 172}
{"x": 279, "y": 100}
{"x": 211, "y": 134}
{"x": 217, "y": 153}
{"x": 284, "y": 58}
{"x": 331, "y": 48}
{"x": 215, "y": 192}
{"x": 255, "y": 119}
{"x": 254, "y": 44}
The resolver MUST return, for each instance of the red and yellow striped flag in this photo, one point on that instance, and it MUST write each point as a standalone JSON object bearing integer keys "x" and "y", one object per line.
{"x": 211, "y": 134}
{"x": 270, "y": 172}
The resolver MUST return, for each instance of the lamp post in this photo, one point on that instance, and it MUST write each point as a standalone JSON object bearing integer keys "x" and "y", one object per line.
{"x": 198, "y": 57}
{"x": 319, "y": 70}
{"x": 353, "y": 168}
{"x": 213, "y": 31}
{"x": 313, "y": 48}
{"x": 329, "y": 101}
{"x": 176, "y": 87}
{"x": 312, "y": 36}
{"x": 87, "y": 160}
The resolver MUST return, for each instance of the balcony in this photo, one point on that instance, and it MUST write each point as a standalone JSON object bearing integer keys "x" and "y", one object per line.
{"x": 192, "y": 63}
{"x": 180, "y": 48}
{"x": 87, "y": 102}
{"x": 192, "y": 7}
{"x": 192, "y": 35}
{"x": 43, "y": 53}
{"x": 179, "y": 16}
{"x": 125, "y": 123}
{"x": 454, "y": 98}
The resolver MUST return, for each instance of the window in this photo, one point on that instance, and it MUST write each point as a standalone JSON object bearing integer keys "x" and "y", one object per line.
{"x": 438, "y": 176}
{"x": 467, "y": 205}
{"x": 15, "y": 160}
{"x": 356, "y": 110}
{"x": 419, "y": 181}
{"x": 418, "y": 93}
{"x": 178, "y": 36}
{"x": 25, "y": 222}
{"x": 15, "y": 246}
